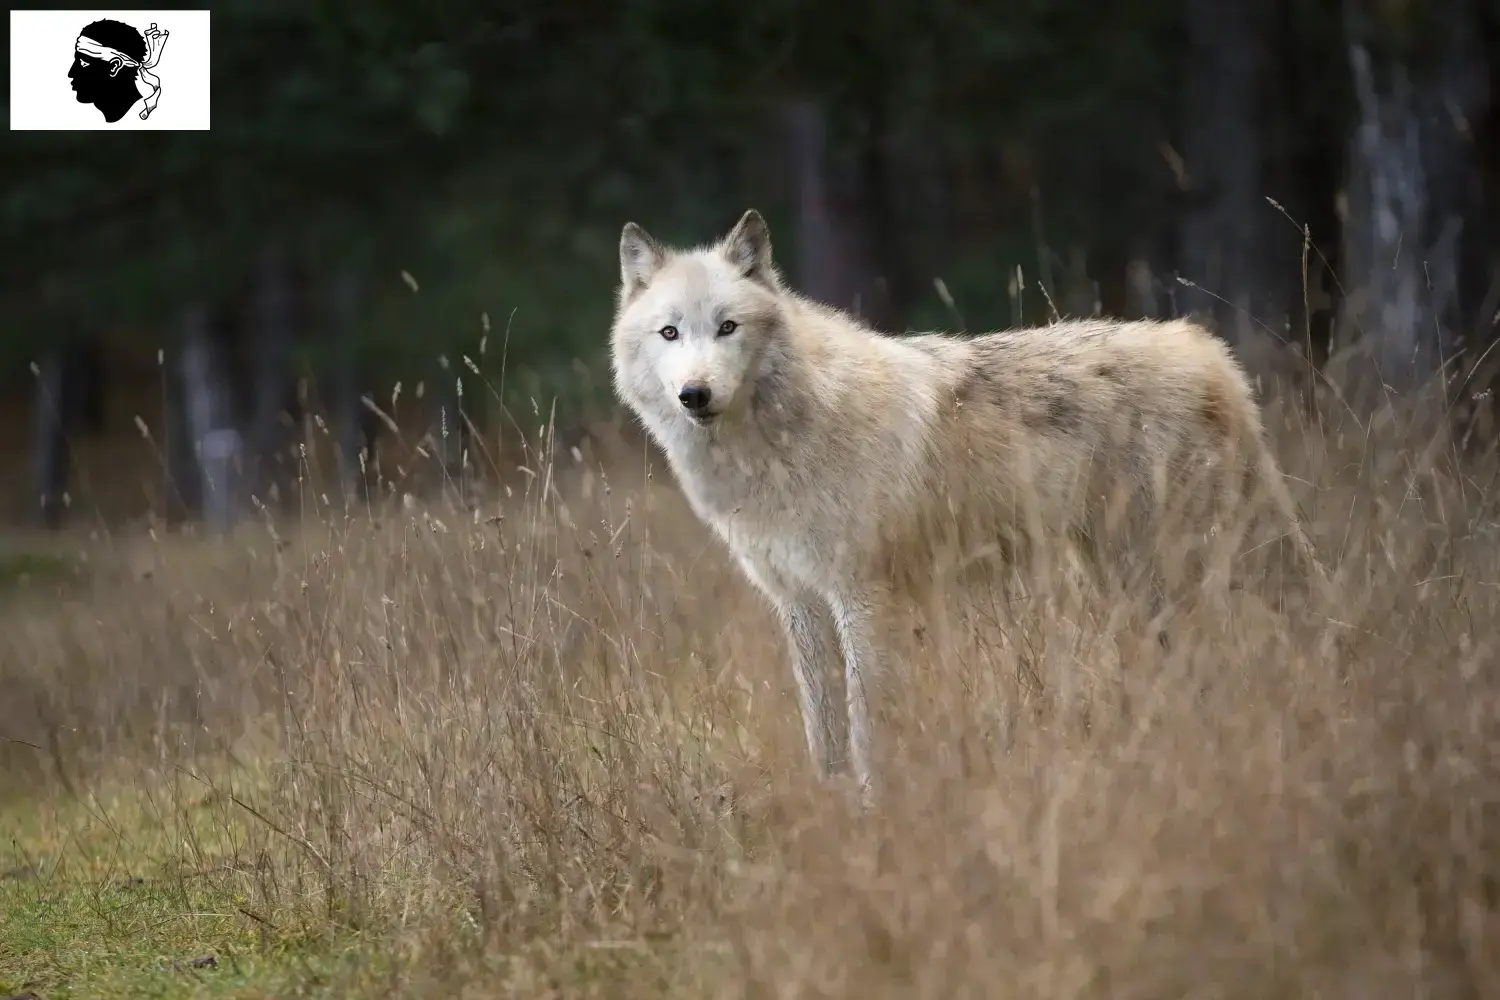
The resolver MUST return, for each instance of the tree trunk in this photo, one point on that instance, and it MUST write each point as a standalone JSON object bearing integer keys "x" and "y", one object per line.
{"x": 819, "y": 263}
{"x": 1305, "y": 176}
{"x": 1219, "y": 241}
{"x": 1412, "y": 181}
{"x": 1387, "y": 205}
{"x": 52, "y": 454}
{"x": 356, "y": 426}
{"x": 1454, "y": 110}
{"x": 69, "y": 398}
{"x": 184, "y": 494}
{"x": 451, "y": 432}
{"x": 275, "y": 333}
{"x": 1142, "y": 291}
{"x": 833, "y": 227}
{"x": 86, "y": 361}
{"x": 895, "y": 292}
{"x": 210, "y": 418}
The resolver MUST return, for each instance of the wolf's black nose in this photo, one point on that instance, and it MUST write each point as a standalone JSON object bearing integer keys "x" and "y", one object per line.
{"x": 695, "y": 397}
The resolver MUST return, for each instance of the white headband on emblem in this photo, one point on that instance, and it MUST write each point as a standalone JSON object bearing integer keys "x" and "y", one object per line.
{"x": 146, "y": 82}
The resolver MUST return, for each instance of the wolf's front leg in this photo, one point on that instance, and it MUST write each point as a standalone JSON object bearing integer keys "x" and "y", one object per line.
{"x": 813, "y": 644}
{"x": 859, "y": 616}
{"x": 814, "y": 648}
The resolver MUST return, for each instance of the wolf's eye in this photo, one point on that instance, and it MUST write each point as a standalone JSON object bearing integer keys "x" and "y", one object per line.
{"x": 727, "y": 327}
{"x": 669, "y": 333}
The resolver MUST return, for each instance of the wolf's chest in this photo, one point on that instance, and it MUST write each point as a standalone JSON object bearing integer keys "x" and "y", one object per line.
{"x": 723, "y": 487}
{"x": 762, "y": 513}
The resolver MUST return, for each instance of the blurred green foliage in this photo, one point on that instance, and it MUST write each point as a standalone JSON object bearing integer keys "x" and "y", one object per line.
{"x": 492, "y": 151}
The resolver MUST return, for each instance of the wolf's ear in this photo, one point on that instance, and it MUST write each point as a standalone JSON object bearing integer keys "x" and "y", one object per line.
{"x": 748, "y": 247}
{"x": 640, "y": 257}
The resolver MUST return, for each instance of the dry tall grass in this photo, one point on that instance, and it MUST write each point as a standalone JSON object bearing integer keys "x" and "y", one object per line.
{"x": 552, "y": 746}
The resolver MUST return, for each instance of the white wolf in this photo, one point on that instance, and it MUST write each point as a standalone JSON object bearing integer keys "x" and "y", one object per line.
{"x": 846, "y": 469}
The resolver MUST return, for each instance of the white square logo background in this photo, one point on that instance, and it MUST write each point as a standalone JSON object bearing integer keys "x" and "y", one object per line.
{"x": 41, "y": 53}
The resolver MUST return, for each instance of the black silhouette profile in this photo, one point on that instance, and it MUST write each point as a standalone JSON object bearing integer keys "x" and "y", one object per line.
{"x": 112, "y": 65}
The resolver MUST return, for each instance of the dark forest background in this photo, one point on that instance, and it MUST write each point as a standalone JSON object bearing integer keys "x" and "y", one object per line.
{"x": 389, "y": 189}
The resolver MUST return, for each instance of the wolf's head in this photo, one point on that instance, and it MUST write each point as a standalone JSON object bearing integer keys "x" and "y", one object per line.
{"x": 692, "y": 327}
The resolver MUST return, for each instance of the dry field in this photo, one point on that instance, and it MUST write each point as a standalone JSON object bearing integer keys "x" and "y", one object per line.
{"x": 550, "y": 747}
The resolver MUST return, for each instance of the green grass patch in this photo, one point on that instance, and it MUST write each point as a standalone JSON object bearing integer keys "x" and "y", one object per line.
{"x": 25, "y": 568}
{"x": 147, "y": 888}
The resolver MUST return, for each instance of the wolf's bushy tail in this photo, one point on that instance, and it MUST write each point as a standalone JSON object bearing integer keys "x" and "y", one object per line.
{"x": 1269, "y": 472}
